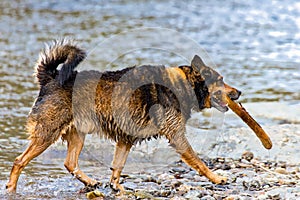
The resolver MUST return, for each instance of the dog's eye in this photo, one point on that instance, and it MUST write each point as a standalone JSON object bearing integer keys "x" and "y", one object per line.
{"x": 217, "y": 93}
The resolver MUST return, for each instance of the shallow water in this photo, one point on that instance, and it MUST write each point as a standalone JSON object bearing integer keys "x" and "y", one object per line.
{"x": 253, "y": 44}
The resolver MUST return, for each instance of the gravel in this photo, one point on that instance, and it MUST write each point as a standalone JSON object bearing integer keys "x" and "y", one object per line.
{"x": 248, "y": 178}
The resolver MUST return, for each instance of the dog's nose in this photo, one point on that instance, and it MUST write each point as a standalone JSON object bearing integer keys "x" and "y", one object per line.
{"x": 234, "y": 95}
{"x": 239, "y": 93}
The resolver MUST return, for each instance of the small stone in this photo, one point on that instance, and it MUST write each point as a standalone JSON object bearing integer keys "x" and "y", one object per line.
{"x": 178, "y": 170}
{"x": 274, "y": 195}
{"x": 164, "y": 193}
{"x": 207, "y": 197}
{"x": 177, "y": 198}
{"x": 150, "y": 186}
{"x": 271, "y": 180}
{"x": 262, "y": 197}
{"x": 184, "y": 188}
{"x": 220, "y": 159}
{"x": 192, "y": 194}
{"x": 217, "y": 196}
{"x": 285, "y": 139}
{"x": 232, "y": 197}
{"x": 143, "y": 195}
{"x": 130, "y": 185}
{"x": 164, "y": 177}
{"x": 175, "y": 183}
{"x": 94, "y": 194}
{"x": 247, "y": 155}
{"x": 281, "y": 170}
{"x": 149, "y": 179}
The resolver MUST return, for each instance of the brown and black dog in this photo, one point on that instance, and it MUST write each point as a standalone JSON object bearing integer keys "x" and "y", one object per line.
{"x": 126, "y": 106}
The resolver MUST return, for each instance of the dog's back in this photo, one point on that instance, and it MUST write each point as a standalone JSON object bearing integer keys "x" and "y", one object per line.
{"x": 129, "y": 105}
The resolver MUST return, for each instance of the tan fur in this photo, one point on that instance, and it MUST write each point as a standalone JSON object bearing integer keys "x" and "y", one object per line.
{"x": 175, "y": 74}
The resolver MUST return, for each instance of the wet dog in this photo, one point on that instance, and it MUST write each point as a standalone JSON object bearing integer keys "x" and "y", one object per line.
{"x": 127, "y": 106}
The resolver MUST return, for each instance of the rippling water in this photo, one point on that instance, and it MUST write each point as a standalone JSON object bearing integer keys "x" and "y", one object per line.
{"x": 254, "y": 44}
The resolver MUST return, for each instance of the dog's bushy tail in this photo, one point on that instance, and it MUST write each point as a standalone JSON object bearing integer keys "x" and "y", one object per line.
{"x": 60, "y": 52}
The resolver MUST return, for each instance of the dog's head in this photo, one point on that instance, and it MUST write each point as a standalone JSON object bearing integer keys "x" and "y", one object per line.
{"x": 217, "y": 89}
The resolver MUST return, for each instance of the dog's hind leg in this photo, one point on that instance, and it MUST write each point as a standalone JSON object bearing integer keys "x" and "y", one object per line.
{"x": 121, "y": 153}
{"x": 35, "y": 148}
{"x": 75, "y": 145}
{"x": 182, "y": 146}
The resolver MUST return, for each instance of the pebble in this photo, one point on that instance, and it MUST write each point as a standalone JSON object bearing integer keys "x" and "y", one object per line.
{"x": 247, "y": 155}
{"x": 192, "y": 194}
{"x": 129, "y": 185}
{"x": 180, "y": 182}
{"x": 281, "y": 170}
{"x": 143, "y": 195}
{"x": 207, "y": 197}
{"x": 94, "y": 194}
{"x": 274, "y": 195}
{"x": 233, "y": 197}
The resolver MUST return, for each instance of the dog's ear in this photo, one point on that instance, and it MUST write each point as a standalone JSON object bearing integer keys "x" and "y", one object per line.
{"x": 206, "y": 72}
{"x": 197, "y": 63}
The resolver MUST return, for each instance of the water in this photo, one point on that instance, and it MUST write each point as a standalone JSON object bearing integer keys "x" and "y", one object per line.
{"x": 254, "y": 45}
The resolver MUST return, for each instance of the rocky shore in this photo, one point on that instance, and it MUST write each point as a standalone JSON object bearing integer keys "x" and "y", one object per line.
{"x": 248, "y": 178}
{"x": 253, "y": 172}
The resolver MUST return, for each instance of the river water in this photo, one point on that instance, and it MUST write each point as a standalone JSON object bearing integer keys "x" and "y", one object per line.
{"x": 253, "y": 44}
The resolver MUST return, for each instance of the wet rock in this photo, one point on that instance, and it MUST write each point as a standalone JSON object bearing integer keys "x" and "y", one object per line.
{"x": 251, "y": 181}
{"x": 281, "y": 170}
{"x": 150, "y": 186}
{"x": 207, "y": 197}
{"x": 129, "y": 185}
{"x": 143, "y": 195}
{"x": 177, "y": 198}
{"x": 192, "y": 194}
{"x": 252, "y": 185}
{"x": 247, "y": 155}
{"x": 175, "y": 183}
{"x": 179, "y": 170}
{"x": 262, "y": 197}
{"x": 218, "y": 196}
{"x": 274, "y": 195}
{"x": 233, "y": 197}
{"x": 164, "y": 193}
{"x": 94, "y": 194}
{"x": 164, "y": 177}
{"x": 149, "y": 179}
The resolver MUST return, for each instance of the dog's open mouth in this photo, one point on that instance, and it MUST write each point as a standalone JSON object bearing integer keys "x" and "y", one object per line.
{"x": 219, "y": 105}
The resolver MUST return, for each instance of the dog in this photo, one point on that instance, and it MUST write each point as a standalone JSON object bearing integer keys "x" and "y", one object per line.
{"x": 127, "y": 106}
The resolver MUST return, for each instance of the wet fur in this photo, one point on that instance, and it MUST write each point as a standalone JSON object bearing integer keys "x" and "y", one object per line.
{"x": 72, "y": 104}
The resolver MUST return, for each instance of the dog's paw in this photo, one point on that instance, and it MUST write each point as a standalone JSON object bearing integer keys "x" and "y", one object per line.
{"x": 117, "y": 187}
{"x": 220, "y": 180}
{"x": 90, "y": 188}
{"x": 10, "y": 189}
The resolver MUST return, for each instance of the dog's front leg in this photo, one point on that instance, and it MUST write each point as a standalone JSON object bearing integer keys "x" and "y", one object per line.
{"x": 182, "y": 146}
{"x": 190, "y": 158}
{"x": 121, "y": 153}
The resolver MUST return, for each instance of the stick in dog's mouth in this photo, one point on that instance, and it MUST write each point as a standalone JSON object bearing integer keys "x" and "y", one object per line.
{"x": 248, "y": 119}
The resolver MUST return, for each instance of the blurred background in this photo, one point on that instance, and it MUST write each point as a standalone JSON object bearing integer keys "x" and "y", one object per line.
{"x": 253, "y": 44}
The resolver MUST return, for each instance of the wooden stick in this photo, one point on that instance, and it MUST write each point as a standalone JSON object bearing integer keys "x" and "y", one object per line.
{"x": 246, "y": 117}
